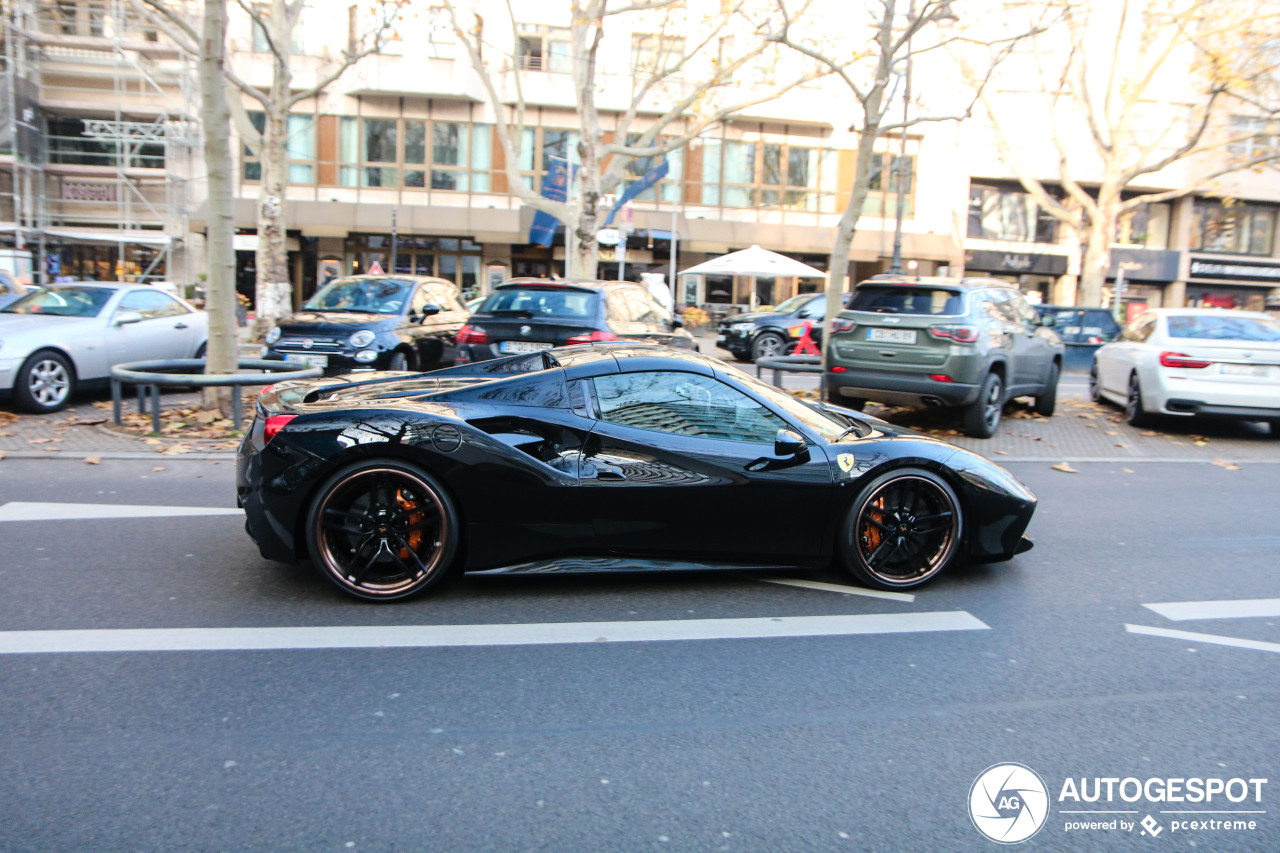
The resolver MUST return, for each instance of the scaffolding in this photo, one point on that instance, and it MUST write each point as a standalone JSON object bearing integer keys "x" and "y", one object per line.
{"x": 111, "y": 107}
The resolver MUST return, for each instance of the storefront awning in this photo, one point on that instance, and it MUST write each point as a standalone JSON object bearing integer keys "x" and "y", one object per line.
{"x": 102, "y": 235}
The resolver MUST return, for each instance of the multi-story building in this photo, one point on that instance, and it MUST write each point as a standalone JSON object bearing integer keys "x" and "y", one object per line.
{"x": 403, "y": 147}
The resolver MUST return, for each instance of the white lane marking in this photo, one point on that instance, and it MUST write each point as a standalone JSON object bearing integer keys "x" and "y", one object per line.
{"x": 845, "y": 590}
{"x": 35, "y": 511}
{"x": 424, "y": 636}
{"x": 1196, "y": 637}
{"x": 1243, "y": 608}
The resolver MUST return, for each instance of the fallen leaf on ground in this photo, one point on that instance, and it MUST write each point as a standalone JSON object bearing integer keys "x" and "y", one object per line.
{"x": 1065, "y": 467}
{"x": 1002, "y": 453}
{"x": 1121, "y": 444}
{"x": 93, "y": 460}
{"x": 174, "y": 450}
{"x": 7, "y": 417}
{"x": 1200, "y": 443}
{"x": 3, "y": 453}
{"x": 154, "y": 441}
{"x": 39, "y": 440}
{"x": 1223, "y": 463}
{"x": 158, "y": 468}
{"x": 1127, "y": 470}
{"x": 1112, "y": 432}
{"x": 1149, "y": 432}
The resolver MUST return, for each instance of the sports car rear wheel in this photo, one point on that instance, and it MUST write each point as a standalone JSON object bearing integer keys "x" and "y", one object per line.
{"x": 382, "y": 530}
{"x": 902, "y": 530}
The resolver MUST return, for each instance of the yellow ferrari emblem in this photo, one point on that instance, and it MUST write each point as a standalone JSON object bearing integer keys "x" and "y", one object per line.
{"x": 845, "y": 461}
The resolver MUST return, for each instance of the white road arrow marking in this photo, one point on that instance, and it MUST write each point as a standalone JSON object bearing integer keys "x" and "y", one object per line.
{"x": 1180, "y": 611}
{"x": 844, "y": 590}
{"x": 1196, "y": 637}
{"x": 426, "y": 636}
{"x": 34, "y": 511}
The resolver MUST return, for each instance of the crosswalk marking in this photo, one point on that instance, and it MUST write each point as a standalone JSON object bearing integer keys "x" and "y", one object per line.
{"x": 426, "y": 636}
{"x": 38, "y": 511}
{"x": 844, "y": 590}
{"x": 1196, "y": 637}
{"x": 1179, "y": 611}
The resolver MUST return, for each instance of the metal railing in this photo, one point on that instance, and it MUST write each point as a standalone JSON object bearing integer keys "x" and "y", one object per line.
{"x": 789, "y": 364}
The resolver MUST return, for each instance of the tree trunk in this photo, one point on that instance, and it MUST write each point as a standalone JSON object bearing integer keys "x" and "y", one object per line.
{"x": 1095, "y": 261}
{"x": 274, "y": 291}
{"x": 222, "y": 351}
{"x": 584, "y": 260}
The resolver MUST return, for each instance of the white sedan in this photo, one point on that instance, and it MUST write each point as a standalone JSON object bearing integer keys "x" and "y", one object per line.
{"x": 1193, "y": 361}
{"x": 57, "y": 338}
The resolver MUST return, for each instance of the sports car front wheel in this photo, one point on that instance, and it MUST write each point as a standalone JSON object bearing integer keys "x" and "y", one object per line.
{"x": 902, "y": 530}
{"x": 382, "y": 530}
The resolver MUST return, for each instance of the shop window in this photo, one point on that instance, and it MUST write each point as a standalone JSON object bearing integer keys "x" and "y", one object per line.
{"x": 1239, "y": 229}
{"x": 1147, "y": 225}
{"x": 999, "y": 212}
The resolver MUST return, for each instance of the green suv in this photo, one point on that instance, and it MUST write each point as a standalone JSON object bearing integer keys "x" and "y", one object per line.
{"x": 972, "y": 343}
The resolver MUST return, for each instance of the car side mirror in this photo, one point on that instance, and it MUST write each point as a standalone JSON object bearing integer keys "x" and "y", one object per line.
{"x": 787, "y": 443}
{"x": 430, "y": 310}
{"x": 124, "y": 318}
{"x": 1048, "y": 320}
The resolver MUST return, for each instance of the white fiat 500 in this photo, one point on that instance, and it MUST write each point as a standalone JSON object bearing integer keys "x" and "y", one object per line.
{"x": 1193, "y": 361}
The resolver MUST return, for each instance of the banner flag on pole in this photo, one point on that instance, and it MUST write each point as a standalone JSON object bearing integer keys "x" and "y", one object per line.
{"x": 650, "y": 178}
{"x": 555, "y": 186}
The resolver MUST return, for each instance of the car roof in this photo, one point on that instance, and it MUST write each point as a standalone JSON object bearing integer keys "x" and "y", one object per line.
{"x": 397, "y": 277}
{"x": 629, "y": 356}
{"x": 569, "y": 283}
{"x": 966, "y": 283}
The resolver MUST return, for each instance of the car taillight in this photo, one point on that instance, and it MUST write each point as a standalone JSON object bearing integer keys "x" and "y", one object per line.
{"x": 470, "y": 335}
{"x": 841, "y": 324}
{"x": 1177, "y": 359}
{"x": 274, "y": 424}
{"x": 940, "y": 377}
{"x": 959, "y": 334}
{"x": 266, "y": 390}
{"x": 839, "y": 368}
{"x": 596, "y": 337}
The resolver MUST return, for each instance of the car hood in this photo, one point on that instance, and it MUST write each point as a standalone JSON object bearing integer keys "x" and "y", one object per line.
{"x": 336, "y": 322}
{"x": 47, "y": 326}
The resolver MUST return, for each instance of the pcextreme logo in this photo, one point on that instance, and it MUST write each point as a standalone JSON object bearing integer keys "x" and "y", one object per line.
{"x": 1009, "y": 803}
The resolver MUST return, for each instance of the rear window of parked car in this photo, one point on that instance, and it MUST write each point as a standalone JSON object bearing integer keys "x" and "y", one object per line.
{"x": 906, "y": 299}
{"x": 1075, "y": 326}
{"x": 538, "y": 302}
{"x": 1224, "y": 328}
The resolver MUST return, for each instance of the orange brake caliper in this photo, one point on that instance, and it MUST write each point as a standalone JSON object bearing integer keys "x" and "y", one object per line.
{"x": 414, "y": 538}
{"x": 871, "y": 532}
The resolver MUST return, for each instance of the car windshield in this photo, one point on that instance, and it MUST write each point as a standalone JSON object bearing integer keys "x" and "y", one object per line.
{"x": 829, "y": 425}
{"x": 906, "y": 299}
{"x": 1224, "y": 328}
{"x": 62, "y": 302}
{"x": 795, "y": 303}
{"x": 550, "y": 302}
{"x": 372, "y": 296}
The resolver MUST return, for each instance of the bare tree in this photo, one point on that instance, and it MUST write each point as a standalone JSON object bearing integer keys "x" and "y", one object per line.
{"x": 668, "y": 104}
{"x": 1152, "y": 83}
{"x": 276, "y": 21}
{"x": 872, "y": 72}
{"x": 209, "y": 45}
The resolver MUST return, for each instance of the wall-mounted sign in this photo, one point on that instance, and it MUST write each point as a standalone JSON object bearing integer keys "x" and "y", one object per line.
{"x": 84, "y": 191}
{"x": 1146, "y": 264}
{"x": 1202, "y": 268}
{"x": 984, "y": 260}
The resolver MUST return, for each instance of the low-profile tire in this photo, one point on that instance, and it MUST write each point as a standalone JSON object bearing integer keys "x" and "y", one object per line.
{"x": 904, "y": 528}
{"x": 1095, "y": 384}
{"x": 383, "y": 530}
{"x": 1274, "y": 427}
{"x": 1134, "y": 412}
{"x": 1047, "y": 400}
{"x": 202, "y": 350}
{"x": 399, "y": 362}
{"x": 768, "y": 345}
{"x": 44, "y": 383}
{"x": 982, "y": 416}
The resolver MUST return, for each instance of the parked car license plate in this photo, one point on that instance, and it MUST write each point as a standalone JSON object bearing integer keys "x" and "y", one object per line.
{"x": 523, "y": 346}
{"x": 892, "y": 336}
{"x": 1244, "y": 369}
{"x": 307, "y": 359}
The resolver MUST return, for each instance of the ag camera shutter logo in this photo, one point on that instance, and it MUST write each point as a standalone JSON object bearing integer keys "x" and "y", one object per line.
{"x": 1008, "y": 803}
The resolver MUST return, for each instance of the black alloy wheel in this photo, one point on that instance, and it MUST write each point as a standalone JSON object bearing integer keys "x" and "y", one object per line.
{"x": 983, "y": 415}
{"x": 1095, "y": 384}
{"x": 1134, "y": 413}
{"x": 1047, "y": 400}
{"x": 768, "y": 345}
{"x": 382, "y": 531}
{"x": 902, "y": 530}
{"x": 44, "y": 383}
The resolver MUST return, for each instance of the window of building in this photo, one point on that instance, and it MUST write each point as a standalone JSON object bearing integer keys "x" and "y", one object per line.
{"x": 1240, "y": 229}
{"x": 261, "y": 43}
{"x": 684, "y": 404}
{"x": 1003, "y": 212}
{"x": 666, "y": 189}
{"x": 300, "y": 146}
{"x": 543, "y": 48}
{"x": 1254, "y": 136}
{"x": 656, "y": 55}
{"x": 774, "y": 175}
{"x": 414, "y": 154}
{"x": 455, "y": 259}
{"x": 1147, "y": 226}
{"x": 68, "y": 142}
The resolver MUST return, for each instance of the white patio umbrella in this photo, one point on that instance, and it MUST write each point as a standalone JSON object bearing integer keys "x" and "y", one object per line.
{"x": 755, "y": 262}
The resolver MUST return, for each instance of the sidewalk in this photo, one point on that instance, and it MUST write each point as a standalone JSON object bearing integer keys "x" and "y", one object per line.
{"x": 1081, "y": 431}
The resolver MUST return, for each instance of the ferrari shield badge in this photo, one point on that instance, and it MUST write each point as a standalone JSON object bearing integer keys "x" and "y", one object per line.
{"x": 845, "y": 461}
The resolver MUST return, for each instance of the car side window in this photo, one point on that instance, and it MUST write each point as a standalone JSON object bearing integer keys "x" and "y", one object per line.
{"x": 995, "y": 306}
{"x": 1022, "y": 309}
{"x": 151, "y": 304}
{"x": 684, "y": 404}
{"x": 619, "y": 307}
{"x": 443, "y": 296}
{"x": 643, "y": 307}
{"x": 1140, "y": 329}
{"x": 421, "y": 299}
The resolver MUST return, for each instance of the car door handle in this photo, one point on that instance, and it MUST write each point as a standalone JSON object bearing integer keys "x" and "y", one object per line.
{"x": 179, "y": 325}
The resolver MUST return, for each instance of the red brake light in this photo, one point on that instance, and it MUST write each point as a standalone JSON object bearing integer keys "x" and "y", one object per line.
{"x": 470, "y": 335}
{"x": 840, "y": 324}
{"x": 265, "y": 390}
{"x": 839, "y": 368}
{"x": 596, "y": 337}
{"x": 940, "y": 377}
{"x": 959, "y": 334}
{"x": 274, "y": 424}
{"x": 1177, "y": 359}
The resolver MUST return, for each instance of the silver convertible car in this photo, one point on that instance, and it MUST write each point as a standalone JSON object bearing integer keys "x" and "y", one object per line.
{"x": 61, "y": 337}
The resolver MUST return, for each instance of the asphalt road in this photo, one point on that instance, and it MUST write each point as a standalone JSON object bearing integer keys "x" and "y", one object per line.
{"x": 857, "y": 741}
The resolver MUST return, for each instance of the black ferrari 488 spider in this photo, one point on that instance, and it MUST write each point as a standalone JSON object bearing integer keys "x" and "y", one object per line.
{"x": 628, "y": 454}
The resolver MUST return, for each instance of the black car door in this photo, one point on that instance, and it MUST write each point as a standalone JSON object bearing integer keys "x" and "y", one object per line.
{"x": 682, "y": 465}
{"x": 634, "y": 314}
